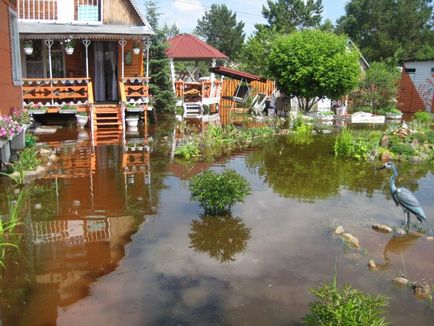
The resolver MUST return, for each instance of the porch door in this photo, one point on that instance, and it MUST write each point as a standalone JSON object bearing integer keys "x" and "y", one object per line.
{"x": 105, "y": 72}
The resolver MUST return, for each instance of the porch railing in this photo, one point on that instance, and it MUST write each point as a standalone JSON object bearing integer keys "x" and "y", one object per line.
{"x": 206, "y": 88}
{"x": 134, "y": 90}
{"x": 57, "y": 91}
{"x": 64, "y": 11}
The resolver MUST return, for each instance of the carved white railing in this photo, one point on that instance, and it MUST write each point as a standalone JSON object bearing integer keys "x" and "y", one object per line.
{"x": 61, "y": 11}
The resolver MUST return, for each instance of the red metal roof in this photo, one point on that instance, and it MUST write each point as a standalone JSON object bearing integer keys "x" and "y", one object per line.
{"x": 189, "y": 47}
{"x": 236, "y": 74}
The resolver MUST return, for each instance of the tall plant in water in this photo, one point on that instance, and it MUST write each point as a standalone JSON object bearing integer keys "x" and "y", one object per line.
{"x": 217, "y": 193}
{"x": 345, "y": 306}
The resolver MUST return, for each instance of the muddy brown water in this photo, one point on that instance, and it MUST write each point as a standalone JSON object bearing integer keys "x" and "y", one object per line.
{"x": 115, "y": 240}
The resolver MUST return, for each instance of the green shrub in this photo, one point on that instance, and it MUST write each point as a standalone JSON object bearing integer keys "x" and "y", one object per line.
{"x": 187, "y": 151}
{"x": 344, "y": 144}
{"x": 420, "y": 137}
{"x": 27, "y": 160}
{"x": 430, "y": 136}
{"x": 31, "y": 140}
{"x": 402, "y": 149}
{"x": 423, "y": 117}
{"x": 346, "y": 307}
{"x": 216, "y": 192}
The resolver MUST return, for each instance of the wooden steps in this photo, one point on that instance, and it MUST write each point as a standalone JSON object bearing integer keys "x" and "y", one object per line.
{"x": 108, "y": 136}
{"x": 107, "y": 116}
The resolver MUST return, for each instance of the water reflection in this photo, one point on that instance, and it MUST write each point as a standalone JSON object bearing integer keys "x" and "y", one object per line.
{"x": 308, "y": 171}
{"x": 397, "y": 245}
{"x": 221, "y": 237}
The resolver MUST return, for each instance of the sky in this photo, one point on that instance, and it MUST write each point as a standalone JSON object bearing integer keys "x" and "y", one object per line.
{"x": 185, "y": 13}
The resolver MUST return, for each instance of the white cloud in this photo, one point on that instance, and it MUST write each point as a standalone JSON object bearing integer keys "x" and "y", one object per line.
{"x": 184, "y": 13}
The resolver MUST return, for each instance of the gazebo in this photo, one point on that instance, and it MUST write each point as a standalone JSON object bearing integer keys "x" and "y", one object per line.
{"x": 195, "y": 93}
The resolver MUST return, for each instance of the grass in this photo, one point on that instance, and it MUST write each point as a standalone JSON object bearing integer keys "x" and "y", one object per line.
{"x": 345, "y": 306}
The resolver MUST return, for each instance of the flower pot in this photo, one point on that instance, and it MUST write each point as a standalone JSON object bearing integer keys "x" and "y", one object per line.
{"x": 132, "y": 130}
{"x": 81, "y": 120}
{"x": 136, "y": 51}
{"x": 69, "y": 51}
{"x": 37, "y": 111}
{"x": 28, "y": 51}
{"x": 132, "y": 122}
{"x": 5, "y": 151}
{"x": 19, "y": 141}
{"x": 393, "y": 116}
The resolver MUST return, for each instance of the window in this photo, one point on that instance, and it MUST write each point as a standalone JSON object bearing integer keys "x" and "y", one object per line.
{"x": 15, "y": 47}
{"x": 410, "y": 70}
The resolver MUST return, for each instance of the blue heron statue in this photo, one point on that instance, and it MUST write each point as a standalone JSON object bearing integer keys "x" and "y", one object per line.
{"x": 403, "y": 196}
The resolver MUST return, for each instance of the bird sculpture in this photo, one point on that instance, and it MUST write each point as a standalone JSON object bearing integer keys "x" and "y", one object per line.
{"x": 403, "y": 196}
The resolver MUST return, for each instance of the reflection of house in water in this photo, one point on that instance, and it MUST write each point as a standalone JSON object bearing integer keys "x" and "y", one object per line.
{"x": 103, "y": 193}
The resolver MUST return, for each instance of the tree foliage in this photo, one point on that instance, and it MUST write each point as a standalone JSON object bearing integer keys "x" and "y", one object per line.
{"x": 378, "y": 89}
{"x": 386, "y": 29}
{"x": 255, "y": 50}
{"x": 312, "y": 64}
{"x": 170, "y": 31}
{"x": 220, "y": 28}
{"x": 287, "y": 16}
{"x": 160, "y": 85}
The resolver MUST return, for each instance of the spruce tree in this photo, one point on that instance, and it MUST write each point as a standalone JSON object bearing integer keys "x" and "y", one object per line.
{"x": 160, "y": 85}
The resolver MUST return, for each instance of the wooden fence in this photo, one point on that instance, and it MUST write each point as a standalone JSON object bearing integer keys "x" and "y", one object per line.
{"x": 229, "y": 89}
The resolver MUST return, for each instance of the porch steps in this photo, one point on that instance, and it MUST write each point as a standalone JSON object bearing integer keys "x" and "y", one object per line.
{"x": 193, "y": 110}
{"x": 107, "y": 116}
{"x": 108, "y": 136}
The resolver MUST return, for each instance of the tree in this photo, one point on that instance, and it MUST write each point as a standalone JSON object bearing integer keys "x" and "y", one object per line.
{"x": 390, "y": 30}
{"x": 287, "y": 16}
{"x": 219, "y": 28}
{"x": 256, "y": 49}
{"x": 170, "y": 31}
{"x": 378, "y": 88}
{"x": 312, "y": 65}
{"x": 160, "y": 85}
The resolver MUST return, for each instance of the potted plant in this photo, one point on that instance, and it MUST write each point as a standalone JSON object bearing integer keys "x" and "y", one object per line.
{"x": 132, "y": 120}
{"x": 36, "y": 109}
{"x": 131, "y": 107}
{"x": 8, "y": 130}
{"x": 179, "y": 112}
{"x": 28, "y": 47}
{"x": 69, "y": 46}
{"x": 68, "y": 109}
{"x": 393, "y": 113}
{"x": 82, "y": 118}
{"x": 136, "y": 48}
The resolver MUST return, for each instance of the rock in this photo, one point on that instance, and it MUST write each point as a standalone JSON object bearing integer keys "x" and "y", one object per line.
{"x": 400, "y": 232}
{"x": 386, "y": 156}
{"x": 384, "y": 142}
{"x": 30, "y": 174}
{"x": 40, "y": 169}
{"x": 351, "y": 239}
{"x": 372, "y": 265}
{"x": 400, "y": 281}
{"x": 44, "y": 152}
{"x": 382, "y": 228}
{"x": 52, "y": 158}
{"x": 415, "y": 159}
{"x": 430, "y": 238}
{"x": 339, "y": 230}
{"x": 421, "y": 289}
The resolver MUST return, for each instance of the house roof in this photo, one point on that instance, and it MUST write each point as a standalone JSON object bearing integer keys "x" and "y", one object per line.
{"x": 139, "y": 13}
{"x": 236, "y": 74}
{"x": 189, "y": 47}
{"x": 97, "y": 31}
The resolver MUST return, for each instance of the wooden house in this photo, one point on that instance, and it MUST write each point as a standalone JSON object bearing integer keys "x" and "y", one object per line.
{"x": 10, "y": 66}
{"x": 416, "y": 88}
{"x": 91, "y": 55}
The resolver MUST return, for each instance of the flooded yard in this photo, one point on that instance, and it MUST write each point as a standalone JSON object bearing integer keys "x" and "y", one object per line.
{"x": 112, "y": 237}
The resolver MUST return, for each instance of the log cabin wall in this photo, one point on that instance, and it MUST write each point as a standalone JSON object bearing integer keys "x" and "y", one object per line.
{"x": 120, "y": 12}
{"x": 10, "y": 95}
{"x": 136, "y": 67}
{"x": 75, "y": 65}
